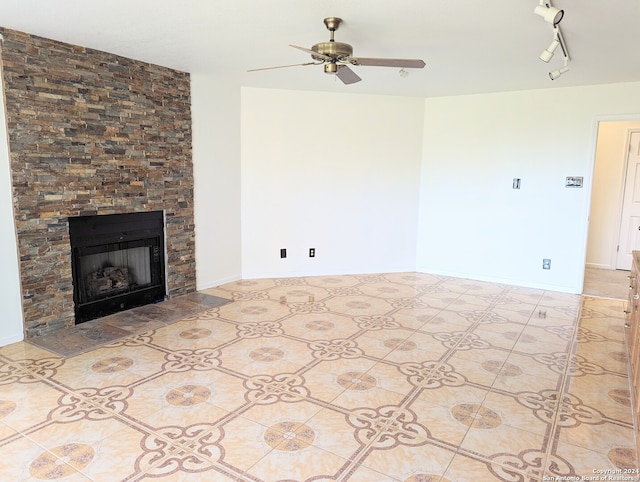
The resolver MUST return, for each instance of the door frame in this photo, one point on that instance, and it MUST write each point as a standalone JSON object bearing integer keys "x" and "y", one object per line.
{"x": 627, "y": 147}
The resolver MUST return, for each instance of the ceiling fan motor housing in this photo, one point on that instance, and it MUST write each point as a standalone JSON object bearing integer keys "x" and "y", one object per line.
{"x": 335, "y": 50}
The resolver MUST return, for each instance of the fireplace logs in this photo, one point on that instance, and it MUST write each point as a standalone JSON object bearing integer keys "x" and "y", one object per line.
{"x": 107, "y": 280}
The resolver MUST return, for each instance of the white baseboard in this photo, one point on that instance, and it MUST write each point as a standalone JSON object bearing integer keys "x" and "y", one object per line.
{"x": 599, "y": 266}
{"x": 11, "y": 339}
{"x": 215, "y": 283}
{"x": 505, "y": 281}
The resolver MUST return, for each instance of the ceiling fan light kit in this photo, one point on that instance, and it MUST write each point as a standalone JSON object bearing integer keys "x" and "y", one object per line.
{"x": 553, "y": 16}
{"x": 337, "y": 56}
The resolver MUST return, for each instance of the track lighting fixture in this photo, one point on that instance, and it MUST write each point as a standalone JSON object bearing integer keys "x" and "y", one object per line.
{"x": 553, "y": 16}
{"x": 550, "y": 14}
{"x": 557, "y": 73}
{"x": 547, "y": 54}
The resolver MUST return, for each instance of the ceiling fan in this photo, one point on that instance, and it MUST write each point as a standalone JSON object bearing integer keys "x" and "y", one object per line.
{"x": 337, "y": 56}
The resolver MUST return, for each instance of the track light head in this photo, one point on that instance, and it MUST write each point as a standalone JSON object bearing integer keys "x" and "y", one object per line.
{"x": 547, "y": 54}
{"x": 551, "y": 15}
{"x": 557, "y": 73}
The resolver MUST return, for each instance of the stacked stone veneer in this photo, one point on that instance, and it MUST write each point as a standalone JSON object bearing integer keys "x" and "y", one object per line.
{"x": 92, "y": 133}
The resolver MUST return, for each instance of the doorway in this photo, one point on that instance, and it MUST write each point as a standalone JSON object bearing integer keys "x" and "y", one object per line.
{"x": 607, "y": 201}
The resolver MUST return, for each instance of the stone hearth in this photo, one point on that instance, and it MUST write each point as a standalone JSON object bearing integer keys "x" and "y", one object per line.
{"x": 92, "y": 133}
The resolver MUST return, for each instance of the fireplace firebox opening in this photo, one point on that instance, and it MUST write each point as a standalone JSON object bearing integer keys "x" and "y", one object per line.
{"x": 118, "y": 262}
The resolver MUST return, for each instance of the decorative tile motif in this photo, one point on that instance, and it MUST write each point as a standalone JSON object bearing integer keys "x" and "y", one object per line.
{"x": 266, "y": 354}
{"x": 188, "y": 395}
{"x": 564, "y": 409}
{"x": 502, "y": 369}
{"x": 623, "y": 458}
{"x": 476, "y": 416}
{"x": 387, "y": 426}
{"x": 184, "y": 360}
{"x": 319, "y": 325}
{"x": 405, "y": 377}
{"x": 432, "y": 375}
{"x": 334, "y": 349}
{"x": 48, "y": 466}
{"x": 376, "y": 322}
{"x": 256, "y": 330}
{"x": 621, "y": 396}
{"x": 289, "y": 436}
{"x": 111, "y": 365}
{"x": 400, "y": 344}
{"x": 173, "y": 449}
{"x": 356, "y": 381}
{"x": 6, "y": 407}
{"x": 195, "y": 333}
{"x": 91, "y": 403}
{"x": 265, "y": 389}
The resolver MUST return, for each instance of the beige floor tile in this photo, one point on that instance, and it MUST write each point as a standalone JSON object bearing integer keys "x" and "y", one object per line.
{"x": 439, "y": 299}
{"x": 355, "y": 396}
{"x": 108, "y": 367}
{"x": 285, "y": 464}
{"x": 583, "y": 461}
{"x": 320, "y": 326}
{"x": 587, "y": 430}
{"x": 464, "y": 468}
{"x": 274, "y": 410}
{"x": 24, "y": 460}
{"x": 243, "y": 444}
{"x": 503, "y": 445}
{"x": 413, "y": 464}
{"x": 515, "y": 412}
{"x": 22, "y": 405}
{"x": 606, "y": 393}
{"x": 483, "y": 371}
{"x": 390, "y": 377}
{"x": 91, "y": 445}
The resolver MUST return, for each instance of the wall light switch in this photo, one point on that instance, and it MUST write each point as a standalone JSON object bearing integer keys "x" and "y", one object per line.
{"x": 516, "y": 183}
{"x": 573, "y": 181}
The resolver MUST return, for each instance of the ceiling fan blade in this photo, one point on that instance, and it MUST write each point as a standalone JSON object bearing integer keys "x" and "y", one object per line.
{"x": 400, "y": 63}
{"x": 284, "y": 66}
{"x": 312, "y": 52}
{"x": 346, "y": 75}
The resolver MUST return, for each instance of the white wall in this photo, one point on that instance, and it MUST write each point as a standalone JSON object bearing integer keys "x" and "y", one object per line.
{"x": 472, "y": 223}
{"x": 336, "y": 172}
{"x": 11, "y": 322}
{"x": 215, "y": 110}
{"x": 606, "y": 194}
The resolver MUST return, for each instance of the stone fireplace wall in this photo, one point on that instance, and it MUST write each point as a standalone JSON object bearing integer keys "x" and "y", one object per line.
{"x": 92, "y": 133}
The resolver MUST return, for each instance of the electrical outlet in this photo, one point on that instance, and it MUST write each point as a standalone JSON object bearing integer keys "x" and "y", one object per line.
{"x": 312, "y": 252}
{"x": 283, "y": 253}
{"x": 546, "y": 264}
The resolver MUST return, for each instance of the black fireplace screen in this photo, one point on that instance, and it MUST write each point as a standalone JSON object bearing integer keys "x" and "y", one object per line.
{"x": 118, "y": 262}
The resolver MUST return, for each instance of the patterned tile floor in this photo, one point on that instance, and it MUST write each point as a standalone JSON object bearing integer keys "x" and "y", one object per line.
{"x": 396, "y": 377}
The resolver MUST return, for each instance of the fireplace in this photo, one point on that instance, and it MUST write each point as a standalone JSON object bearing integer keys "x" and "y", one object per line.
{"x": 118, "y": 262}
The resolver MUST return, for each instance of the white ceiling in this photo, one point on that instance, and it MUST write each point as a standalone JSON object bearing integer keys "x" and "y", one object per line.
{"x": 470, "y": 46}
